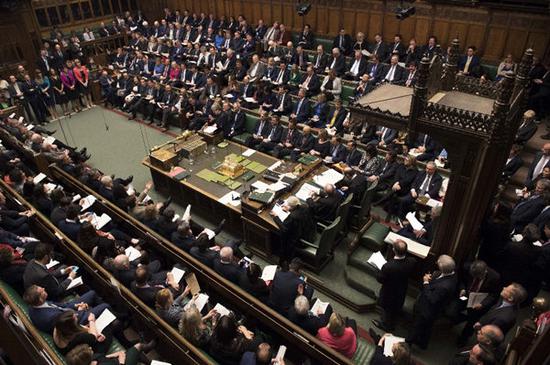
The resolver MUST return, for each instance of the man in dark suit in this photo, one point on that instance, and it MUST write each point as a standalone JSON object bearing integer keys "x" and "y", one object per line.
{"x": 383, "y": 137}
{"x": 394, "y": 74}
{"x": 379, "y": 48}
{"x": 290, "y": 138}
{"x": 324, "y": 205}
{"x": 299, "y": 224}
{"x": 478, "y": 278}
{"x": 70, "y": 226}
{"x": 410, "y": 75}
{"x": 394, "y": 277}
{"x": 226, "y": 267}
{"x": 286, "y": 286}
{"x": 310, "y": 82}
{"x": 273, "y": 138}
{"x": 428, "y": 50}
{"x": 320, "y": 60}
{"x": 304, "y": 145}
{"x": 337, "y": 151}
{"x": 283, "y": 103}
{"x": 425, "y": 146}
{"x": 354, "y": 156}
{"x": 396, "y": 48}
{"x": 527, "y": 128}
{"x": 235, "y": 125}
{"x": 357, "y": 67}
{"x": 36, "y": 273}
{"x": 146, "y": 289}
{"x": 166, "y": 106}
{"x": 542, "y": 159}
{"x": 202, "y": 251}
{"x": 281, "y": 75}
{"x": 353, "y": 183}
{"x": 300, "y": 58}
{"x": 386, "y": 174}
{"x": 44, "y": 63}
{"x": 540, "y": 96}
{"x": 427, "y": 183}
{"x": 337, "y": 62}
{"x": 306, "y": 37}
{"x": 438, "y": 289}
{"x": 43, "y": 313}
{"x": 261, "y": 130}
{"x": 513, "y": 163}
{"x": 302, "y": 108}
{"x": 469, "y": 63}
{"x": 376, "y": 72}
{"x": 336, "y": 117}
{"x": 504, "y": 313}
{"x": 530, "y": 205}
{"x": 342, "y": 42}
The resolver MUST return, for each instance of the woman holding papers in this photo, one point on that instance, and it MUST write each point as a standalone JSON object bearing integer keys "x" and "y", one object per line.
{"x": 68, "y": 334}
{"x": 170, "y": 309}
{"x": 195, "y": 328}
{"x": 391, "y": 353}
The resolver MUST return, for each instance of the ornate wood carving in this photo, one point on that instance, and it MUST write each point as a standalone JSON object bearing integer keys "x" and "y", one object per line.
{"x": 450, "y": 69}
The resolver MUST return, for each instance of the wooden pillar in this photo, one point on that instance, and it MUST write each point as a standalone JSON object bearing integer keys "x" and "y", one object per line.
{"x": 451, "y": 67}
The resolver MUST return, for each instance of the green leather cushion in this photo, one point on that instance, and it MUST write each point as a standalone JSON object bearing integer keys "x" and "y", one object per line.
{"x": 373, "y": 238}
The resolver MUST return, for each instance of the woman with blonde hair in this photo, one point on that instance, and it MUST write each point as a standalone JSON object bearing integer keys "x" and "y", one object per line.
{"x": 338, "y": 336}
{"x": 195, "y": 328}
{"x": 169, "y": 309}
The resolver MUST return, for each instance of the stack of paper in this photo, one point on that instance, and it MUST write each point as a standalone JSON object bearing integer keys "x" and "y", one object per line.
{"x": 377, "y": 260}
{"x": 105, "y": 319}
{"x": 211, "y": 129}
{"x": 280, "y": 213}
{"x": 232, "y": 198}
{"x": 279, "y": 185}
{"x": 269, "y": 272}
{"x": 75, "y": 282}
{"x": 260, "y": 186}
{"x": 330, "y": 176}
{"x": 275, "y": 165}
{"x": 415, "y": 223}
{"x": 38, "y": 178}
{"x": 222, "y": 311}
{"x": 319, "y": 307}
{"x": 101, "y": 221}
{"x": 49, "y": 140}
{"x": 305, "y": 191}
{"x": 193, "y": 284}
{"x": 249, "y": 152}
{"x": 389, "y": 341}
{"x": 178, "y": 274}
{"x": 132, "y": 253}
{"x": 87, "y": 202}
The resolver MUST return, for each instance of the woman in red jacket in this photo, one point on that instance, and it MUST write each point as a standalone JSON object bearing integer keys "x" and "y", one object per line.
{"x": 83, "y": 83}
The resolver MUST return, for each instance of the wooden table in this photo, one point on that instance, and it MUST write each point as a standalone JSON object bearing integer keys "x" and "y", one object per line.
{"x": 253, "y": 222}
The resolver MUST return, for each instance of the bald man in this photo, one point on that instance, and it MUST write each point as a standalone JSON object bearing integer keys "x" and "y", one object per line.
{"x": 325, "y": 204}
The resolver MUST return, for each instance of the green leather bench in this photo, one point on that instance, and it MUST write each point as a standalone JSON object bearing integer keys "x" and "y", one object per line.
{"x": 249, "y": 124}
{"x": 364, "y": 353}
{"x": 16, "y": 298}
{"x": 490, "y": 70}
{"x": 373, "y": 238}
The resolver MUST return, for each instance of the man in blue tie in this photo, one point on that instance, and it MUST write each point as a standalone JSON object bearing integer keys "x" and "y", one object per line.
{"x": 301, "y": 110}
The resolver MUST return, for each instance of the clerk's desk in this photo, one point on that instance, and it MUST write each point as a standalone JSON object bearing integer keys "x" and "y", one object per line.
{"x": 251, "y": 220}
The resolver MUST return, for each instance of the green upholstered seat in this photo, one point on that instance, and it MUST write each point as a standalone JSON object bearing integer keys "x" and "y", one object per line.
{"x": 249, "y": 124}
{"x": 373, "y": 238}
{"x": 490, "y": 70}
{"x": 364, "y": 353}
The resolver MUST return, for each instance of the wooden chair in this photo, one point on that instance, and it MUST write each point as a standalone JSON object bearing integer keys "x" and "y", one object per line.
{"x": 361, "y": 210}
{"x": 317, "y": 254}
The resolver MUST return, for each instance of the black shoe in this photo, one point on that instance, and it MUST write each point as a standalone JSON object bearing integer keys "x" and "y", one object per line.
{"x": 84, "y": 150}
{"x": 379, "y": 324}
{"x": 375, "y": 336}
{"x": 220, "y": 226}
{"x": 129, "y": 179}
{"x": 167, "y": 202}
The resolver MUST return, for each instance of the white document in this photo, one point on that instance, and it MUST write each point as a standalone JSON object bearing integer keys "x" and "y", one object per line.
{"x": 476, "y": 298}
{"x": 249, "y": 152}
{"x": 176, "y": 217}
{"x": 87, "y": 202}
{"x": 415, "y": 223}
{"x": 280, "y": 213}
{"x": 279, "y": 185}
{"x": 432, "y": 203}
{"x": 146, "y": 199}
{"x": 269, "y": 272}
{"x": 178, "y": 274}
{"x": 305, "y": 191}
{"x": 105, "y": 319}
{"x": 439, "y": 164}
{"x": 132, "y": 253}
{"x": 12, "y": 116}
{"x": 229, "y": 96}
{"x": 260, "y": 186}
{"x": 377, "y": 259}
{"x": 199, "y": 302}
{"x": 75, "y": 282}
{"x": 50, "y": 187}
{"x": 130, "y": 190}
{"x": 517, "y": 237}
{"x": 388, "y": 344}
{"x": 76, "y": 198}
{"x": 51, "y": 264}
{"x": 519, "y": 192}
{"x": 101, "y": 221}
{"x": 187, "y": 214}
{"x": 156, "y": 362}
{"x": 231, "y": 198}
{"x": 219, "y": 66}
{"x": 330, "y": 176}
{"x": 49, "y": 140}
{"x": 275, "y": 165}
{"x": 280, "y": 354}
{"x": 319, "y": 307}
{"x": 210, "y": 233}
{"x": 38, "y": 178}
{"x": 413, "y": 247}
{"x": 211, "y": 129}
{"x": 222, "y": 311}
{"x": 250, "y": 99}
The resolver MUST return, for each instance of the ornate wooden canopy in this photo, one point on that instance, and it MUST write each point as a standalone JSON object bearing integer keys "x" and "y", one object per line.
{"x": 477, "y": 142}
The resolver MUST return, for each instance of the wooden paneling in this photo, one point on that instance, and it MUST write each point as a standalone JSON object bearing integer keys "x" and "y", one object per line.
{"x": 496, "y": 42}
{"x": 422, "y": 29}
{"x": 288, "y": 17}
{"x": 375, "y": 25}
{"x": 517, "y": 40}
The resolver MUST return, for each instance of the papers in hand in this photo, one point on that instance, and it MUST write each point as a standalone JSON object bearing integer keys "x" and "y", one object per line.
{"x": 389, "y": 341}
{"x": 193, "y": 284}
{"x": 415, "y": 224}
{"x": 517, "y": 237}
{"x": 210, "y": 233}
{"x": 250, "y": 99}
{"x": 38, "y": 178}
{"x": 101, "y": 221}
{"x": 75, "y": 282}
{"x": 330, "y": 176}
{"x": 280, "y": 354}
{"x": 130, "y": 190}
{"x": 87, "y": 202}
{"x": 377, "y": 260}
{"x": 187, "y": 214}
{"x": 432, "y": 203}
{"x": 211, "y": 129}
{"x": 280, "y": 213}
{"x": 475, "y": 299}
{"x": 105, "y": 319}
{"x": 232, "y": 198}
{"x": 319, "y": 307}
{"x": 200, "y": 301}
{"x": 49, "y": 140}
{"x": 305, "y": 191}
{"x": 132, "y": 253}
{"x": 51, "y": 264}
{"x": 156, "y": 362}
{"x": 269, "y": 272}
{"x": 77, "y": 197}
{"x": 178, "y": 274}
{"x": 50, "y": 187}
{"x": 222, "y": 311}
{"x": 249, "y": 152}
